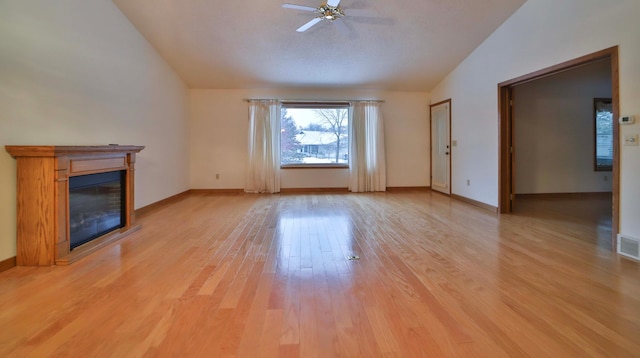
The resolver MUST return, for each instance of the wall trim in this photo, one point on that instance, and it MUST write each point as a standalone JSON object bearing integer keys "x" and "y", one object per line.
{"x": 408, "y": 188}
{"x": 172, "y": 199}
{"x": 479, "y": 204}
{"x": 158, "y": 204}
{"x": 216, "y": 191}
{"x": 312, "y": 190}
{"x": 564, "y": 195}
{"x": 7, "y": 264}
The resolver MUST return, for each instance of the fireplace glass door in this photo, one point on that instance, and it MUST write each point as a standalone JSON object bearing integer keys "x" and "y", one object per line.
{"x": 96, "y": 205}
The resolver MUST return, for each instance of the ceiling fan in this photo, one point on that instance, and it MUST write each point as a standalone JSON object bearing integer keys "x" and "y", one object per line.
{"x": 329, "y": 11}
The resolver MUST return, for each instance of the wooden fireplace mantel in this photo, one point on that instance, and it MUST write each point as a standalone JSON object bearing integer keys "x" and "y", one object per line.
{"x": 43, "y": 198}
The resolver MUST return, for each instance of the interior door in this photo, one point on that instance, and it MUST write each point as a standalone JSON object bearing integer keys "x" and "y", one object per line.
{"x": 441, "y": 147}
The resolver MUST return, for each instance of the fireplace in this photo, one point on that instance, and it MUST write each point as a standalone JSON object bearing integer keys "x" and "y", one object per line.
{"x": 72, "y": 200}
{"x": 96, "y": 206}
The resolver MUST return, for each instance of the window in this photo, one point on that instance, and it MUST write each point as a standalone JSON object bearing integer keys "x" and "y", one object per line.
{"x": 603, "y": 114}
{"x": 314, "y": 134}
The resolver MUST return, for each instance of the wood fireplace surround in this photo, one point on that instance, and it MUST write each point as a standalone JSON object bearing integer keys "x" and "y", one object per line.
{"x": 43, "y": 198}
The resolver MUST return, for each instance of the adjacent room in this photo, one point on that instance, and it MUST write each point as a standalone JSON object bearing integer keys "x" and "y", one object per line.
{"x": 319, "y": 178}
{"x": 555, "y": 125}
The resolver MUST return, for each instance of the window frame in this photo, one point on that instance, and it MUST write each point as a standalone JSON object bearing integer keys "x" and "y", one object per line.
{"x": 316, "y": 105}
{"x": 599, "y": 167}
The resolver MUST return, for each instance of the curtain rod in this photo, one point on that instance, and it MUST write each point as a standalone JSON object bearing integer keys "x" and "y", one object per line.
{"x": 312, "y": 101}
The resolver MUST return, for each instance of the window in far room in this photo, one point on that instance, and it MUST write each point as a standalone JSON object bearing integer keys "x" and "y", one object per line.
{"x": 314, "y": 134}
{"x": 603, "y": 114}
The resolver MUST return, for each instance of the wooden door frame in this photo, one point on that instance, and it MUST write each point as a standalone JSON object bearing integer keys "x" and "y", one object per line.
{"x": 431, "y": 144}
{"x": 505, "y": 143}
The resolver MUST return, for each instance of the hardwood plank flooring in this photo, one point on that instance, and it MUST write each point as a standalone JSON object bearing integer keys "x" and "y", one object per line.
{"x": 222, "y": 275}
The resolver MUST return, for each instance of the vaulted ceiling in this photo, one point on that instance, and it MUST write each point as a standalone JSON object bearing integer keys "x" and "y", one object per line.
{"x": 409, "y": 45}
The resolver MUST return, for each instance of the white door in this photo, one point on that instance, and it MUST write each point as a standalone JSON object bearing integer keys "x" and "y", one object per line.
{"x": 441, "y": 147}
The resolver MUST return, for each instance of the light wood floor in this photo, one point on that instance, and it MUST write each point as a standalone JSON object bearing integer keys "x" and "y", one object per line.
{"x": 267, "y": 276}
{"x": 583, "y": 211}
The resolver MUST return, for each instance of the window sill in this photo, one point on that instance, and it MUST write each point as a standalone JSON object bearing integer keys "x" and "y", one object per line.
{"x": 314, "y": 166}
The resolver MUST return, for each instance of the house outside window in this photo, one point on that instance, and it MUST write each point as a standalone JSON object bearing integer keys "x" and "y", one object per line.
{"x": 314, "y": 134}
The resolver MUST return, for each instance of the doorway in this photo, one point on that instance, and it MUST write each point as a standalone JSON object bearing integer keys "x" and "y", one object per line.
{"x": 506, "y": 128}
{"x": 441, "y": 147}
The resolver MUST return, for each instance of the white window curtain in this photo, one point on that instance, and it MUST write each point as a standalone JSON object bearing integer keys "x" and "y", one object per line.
{"x": 263, "y": 171}
{"x": 367, "y": 168}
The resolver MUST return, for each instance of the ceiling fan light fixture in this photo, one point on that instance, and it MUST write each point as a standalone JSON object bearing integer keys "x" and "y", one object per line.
{"x": 329, "y": 12}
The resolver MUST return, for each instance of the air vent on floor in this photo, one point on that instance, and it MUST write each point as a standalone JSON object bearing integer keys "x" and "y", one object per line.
{"x": 629, "y": 246}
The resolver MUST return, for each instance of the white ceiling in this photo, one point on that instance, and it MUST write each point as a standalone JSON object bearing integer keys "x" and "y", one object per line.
{"x": 231, "y": 44}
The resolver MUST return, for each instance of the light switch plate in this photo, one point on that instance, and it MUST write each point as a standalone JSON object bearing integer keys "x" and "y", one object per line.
{"x": 631, "y": 139}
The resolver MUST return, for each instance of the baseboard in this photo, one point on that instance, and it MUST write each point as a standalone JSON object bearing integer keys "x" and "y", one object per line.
{"x": 475, "y": 203}
{"x": 408, "y": 188}
{"x": 172, "y": 199}
{"x": 565, "y": 195}
{"x": 312, "y": 190}
{"x": 158, "y": 204}
{"x": 216, "y": 191}
{"x": 307, "y": 190}
{"x": 7, "y": 264}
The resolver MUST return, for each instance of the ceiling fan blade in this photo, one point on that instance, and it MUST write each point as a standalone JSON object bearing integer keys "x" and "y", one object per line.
{"x": 308, "y": 25}
{"x": 361, "y": 13}
{"x": 298, "y": 7}
{"x": 333, "y": 3}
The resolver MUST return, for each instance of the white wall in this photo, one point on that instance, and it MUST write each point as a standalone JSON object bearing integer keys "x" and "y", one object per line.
{"x": 554, "y": 132}
{"x": 540, "y": 34}
{"x": 76, "y": 72}
{"x": 219, "y": 127}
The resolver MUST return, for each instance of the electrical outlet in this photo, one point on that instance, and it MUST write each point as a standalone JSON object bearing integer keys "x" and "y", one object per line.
{"x": 468, "y": 182}
{"x": 217, "y": 176}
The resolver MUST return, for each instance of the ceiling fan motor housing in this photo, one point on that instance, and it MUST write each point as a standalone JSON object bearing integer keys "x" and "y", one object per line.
{"x": 329, "y": 12}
